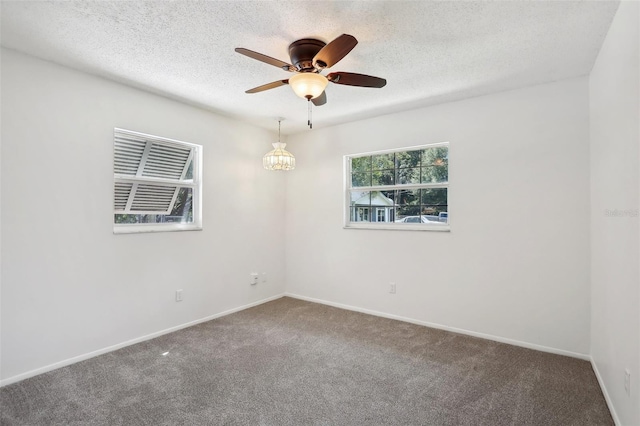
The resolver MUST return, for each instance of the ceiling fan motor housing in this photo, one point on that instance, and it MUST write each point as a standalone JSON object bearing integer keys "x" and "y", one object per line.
{"x": 302, "y": 53}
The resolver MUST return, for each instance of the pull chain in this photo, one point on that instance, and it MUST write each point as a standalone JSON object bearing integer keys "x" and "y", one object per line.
{"x": 309, "y": 120}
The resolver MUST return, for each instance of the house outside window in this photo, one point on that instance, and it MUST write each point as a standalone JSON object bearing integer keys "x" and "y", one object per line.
{"x": 157, "y": 184}
{"x": 404, "y": 188}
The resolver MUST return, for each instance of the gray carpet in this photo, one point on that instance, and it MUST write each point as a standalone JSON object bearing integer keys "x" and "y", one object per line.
{"x": 290, "y": 362}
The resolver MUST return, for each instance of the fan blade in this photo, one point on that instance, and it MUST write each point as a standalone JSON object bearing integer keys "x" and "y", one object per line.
{"x": 331, "y": 54}
{"x": 320, "y": 100}
{"x": 268, "y": 86}
{"x": 352, "y": 79}
{"x": 266, "y": 59}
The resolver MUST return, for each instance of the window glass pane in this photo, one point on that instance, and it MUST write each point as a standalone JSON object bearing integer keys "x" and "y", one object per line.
{"x": 372, "y": 206}
{"x": 408, "y": 159}
{"x": 408, "y": 214}
{"x": 189, "y": 174}
{"x": 389, "y": 209}
{"x": 384, "y": 161}
{"x": 360, "y": 198}
{"x": 183, "y": 208}
{"x": 434, "y": 196}
{"x": 390, "y": 196}
{"x": 433, "y": 174}
{"x": 408, "y": 197}
{"x": 405, "y": 176}
{"x": 361, "y": 206}
{"x": 434, "y": 214}
{"x": 182, "y": 212}
{"x": 435, "y": 156}
{"x": 383, "y": 177}
{"x": 360, "y": 214}
{"x": 435, "y": 205}
{"x": 361, "y": 179}
{"x": 354, "y": 217}
{"x": 382, "y": 205}
{"x": 126, "y": 218}
{"x": 360, "y": 164}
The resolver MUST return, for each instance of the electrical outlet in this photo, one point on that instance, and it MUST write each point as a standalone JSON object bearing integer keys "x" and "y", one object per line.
{"x": 627, "y": 382}
{"x": 392, "y": 288}
{"x": 179, "y": 295}
{"x": 253, "y": 278}
{"x": 264, "y": 277}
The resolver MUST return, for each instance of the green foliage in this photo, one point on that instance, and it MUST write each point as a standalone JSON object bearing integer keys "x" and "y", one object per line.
{"x": 433, "y": 196}
{"x": 126, "y": 218}
{"x": 361, "y": 179}
{"x": 435, "y": 165}
{"x": 408, "y": 175}
{"x": 382, "y": 177}
{"x": 361, "y": 164}
{"x": 408, "y": 159}
{"x": 430, "y": 165}
{"x": 438, "y": 156}
{"x": 408, "y": 197}
{"x": 382, "y": 162}
{"x": 434, "y": 200}
{"x": 434, "y": 174}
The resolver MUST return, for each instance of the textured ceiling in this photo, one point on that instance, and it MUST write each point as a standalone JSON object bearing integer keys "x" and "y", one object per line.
{"x": 429, "y": 52}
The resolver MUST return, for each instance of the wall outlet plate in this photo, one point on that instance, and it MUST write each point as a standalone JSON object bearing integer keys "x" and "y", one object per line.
{"x": 253, "y": 278}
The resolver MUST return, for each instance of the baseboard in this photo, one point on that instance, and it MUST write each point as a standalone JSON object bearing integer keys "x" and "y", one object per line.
{"x": 446, "y": 328}
{"x": 607, "y": 398}
{"x": 112, "y": 348}
{"x": 83, "y": 357}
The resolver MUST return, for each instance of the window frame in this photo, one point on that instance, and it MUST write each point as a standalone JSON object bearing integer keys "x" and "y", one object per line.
{"x": 195, "y": 184}
{"x": 347, "y": 188}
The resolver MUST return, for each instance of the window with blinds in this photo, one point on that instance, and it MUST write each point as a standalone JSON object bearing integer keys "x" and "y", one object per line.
{"x": 157, "y": 183}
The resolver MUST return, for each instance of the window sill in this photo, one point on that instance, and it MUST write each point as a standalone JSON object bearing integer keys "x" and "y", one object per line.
{"x": 400, "y": 227}
{"x": 141, "y": 228}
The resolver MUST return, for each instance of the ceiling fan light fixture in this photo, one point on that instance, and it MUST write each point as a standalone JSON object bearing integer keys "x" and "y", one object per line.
{"x": 308, "y": 85}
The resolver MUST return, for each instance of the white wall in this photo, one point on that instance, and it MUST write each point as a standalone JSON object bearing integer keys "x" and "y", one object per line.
{"x": 614, "y": 129}
{"x": 516, "y": 262}
{"x": 69, "y": 285}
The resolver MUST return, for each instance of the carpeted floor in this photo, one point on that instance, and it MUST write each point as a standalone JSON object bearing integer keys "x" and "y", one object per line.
{"x": 290, "y": 362}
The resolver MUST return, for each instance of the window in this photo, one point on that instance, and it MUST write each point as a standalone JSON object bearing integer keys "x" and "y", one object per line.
{"x": 398, "y": 189}
{"x": 157, "y": 183}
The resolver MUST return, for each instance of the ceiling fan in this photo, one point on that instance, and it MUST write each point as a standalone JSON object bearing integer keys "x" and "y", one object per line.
{"x": 309, "y": 58}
